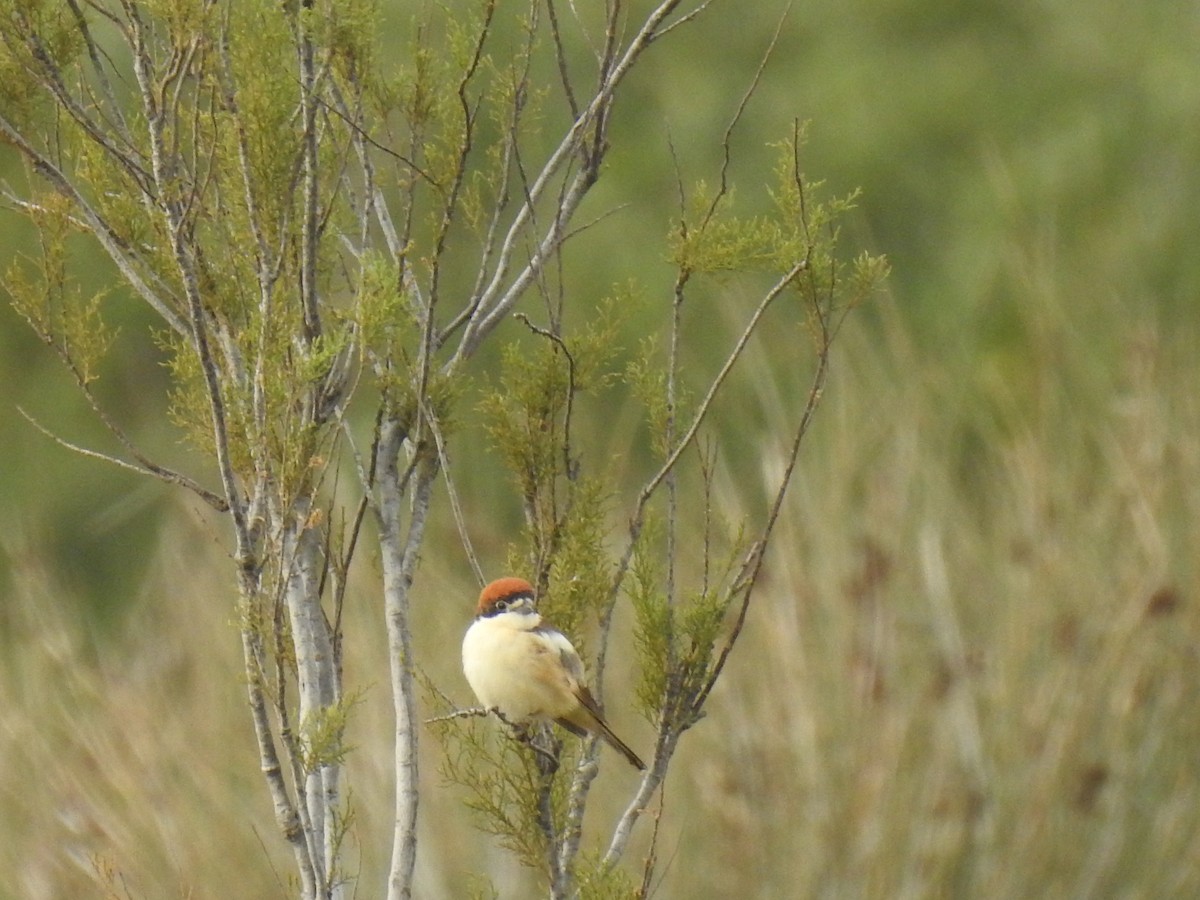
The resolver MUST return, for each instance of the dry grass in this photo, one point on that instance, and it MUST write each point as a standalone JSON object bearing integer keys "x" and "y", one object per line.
{"x": 973, "y": 673}
{"x": 973, "y": 669}
{"x": 976, "y": 674}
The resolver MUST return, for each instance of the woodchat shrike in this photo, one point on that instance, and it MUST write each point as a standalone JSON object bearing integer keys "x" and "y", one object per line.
{"x": 521, "y": 666}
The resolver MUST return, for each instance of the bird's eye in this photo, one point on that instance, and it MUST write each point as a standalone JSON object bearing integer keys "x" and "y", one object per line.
{"x": 502, "y": 605}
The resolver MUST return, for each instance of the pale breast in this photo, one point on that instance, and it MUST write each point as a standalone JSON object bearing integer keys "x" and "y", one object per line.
{"x": 516, "y": 670}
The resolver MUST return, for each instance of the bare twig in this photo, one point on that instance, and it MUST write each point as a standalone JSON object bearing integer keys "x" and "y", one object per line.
{"x": 114, "y": 246}
{"x": 311, "y": 187}
{"x": 144, "y": 466}
{"x": 561, "y": 345}
{"x": 651, "y": 861}
{"x": 560, "y": 54}
{"x": 652, "y": 484}
{"x": 95, "y": 52}
{"x": 51, "y": 79}
{"x": 286, "y": 815}
{"x": 653, "y": 777}
{"x": 460, "y": 520}
{"x": 498, "y": 299}
{"x": 473, "y": 712}
{"x": 399, "y": 548}
{"x": 727, "y": 139}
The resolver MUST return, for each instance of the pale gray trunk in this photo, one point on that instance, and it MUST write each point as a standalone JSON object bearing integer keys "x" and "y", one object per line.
{"x": 398, "y": 554}
{"x": 317, "y": 684}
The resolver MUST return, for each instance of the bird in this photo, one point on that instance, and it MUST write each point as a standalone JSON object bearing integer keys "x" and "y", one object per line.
{"x": 527, "y": 670}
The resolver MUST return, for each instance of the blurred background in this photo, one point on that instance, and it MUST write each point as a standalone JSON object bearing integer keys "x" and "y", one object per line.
{"x": 973, "y": 672}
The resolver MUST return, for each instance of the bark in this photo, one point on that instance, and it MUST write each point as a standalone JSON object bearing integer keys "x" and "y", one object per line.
{"x": 317, "y": 687}
{"x": 399, "y": 546}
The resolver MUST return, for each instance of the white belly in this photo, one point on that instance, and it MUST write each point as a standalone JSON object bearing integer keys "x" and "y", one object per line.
{"x": 505, "y": 672}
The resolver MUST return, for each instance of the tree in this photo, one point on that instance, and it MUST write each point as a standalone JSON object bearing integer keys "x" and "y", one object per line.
{"x": 328, "y": 243}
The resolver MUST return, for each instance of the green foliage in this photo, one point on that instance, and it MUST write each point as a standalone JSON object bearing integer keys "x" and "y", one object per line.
{"x": 262, "y": 124}
{"x": 652, "y": 634}
{"x": 581, "y": 566}
{"x": 503, "y": 782}
{"x": 44, "y": 294}
{"x": 32, "y": 31}
{"x": 528, "y": 419}
{"x": 389, "y": 333}
{"x": 323, "y": 733}
{"x": 349, "y": 30}
{"x": 443, "y": 66}
{"x": 188, "y": 407}
{"x": 646, "y": 376}
{"x": 383, "y": 313}
{"x": 599, "y": 882}
{"x": 480, "y": 888}
{"x": 524, "y": 414}
{"x": 710, "y": 241}
{"x": 676, "y": 638}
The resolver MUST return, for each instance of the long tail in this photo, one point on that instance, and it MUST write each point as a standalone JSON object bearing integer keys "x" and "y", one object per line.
{"x": 617, "y": 744}
{"x": 587, "y": 718}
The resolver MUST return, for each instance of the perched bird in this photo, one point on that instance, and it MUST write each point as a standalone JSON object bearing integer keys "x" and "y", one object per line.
{"x": 518, "y": 664}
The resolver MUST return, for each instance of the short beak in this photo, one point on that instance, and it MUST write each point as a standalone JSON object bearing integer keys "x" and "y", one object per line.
{"x": 522, "y": 605}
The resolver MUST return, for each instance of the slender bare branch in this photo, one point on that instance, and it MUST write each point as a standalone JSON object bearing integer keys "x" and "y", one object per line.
{"x": 497, "y": 300}
{"x": 651, "y": 779}
{"x": 309, "y": 220}
{"x": 51, "y": 77}
{"x": 399, "y": 548}
{"x": 472, "y": 712}
{"x": 144, "y": 466}
{"x": 460, "y": 521}
{"x": 651, "y": 486}
{"x": 727, "y": 139}
{"x": 95, "y": 52}
{"x": 112, "y": 243}
{"x": 286, "y": 815}
{"x": 560, "y": 54}
{"x": 185, "y": 260}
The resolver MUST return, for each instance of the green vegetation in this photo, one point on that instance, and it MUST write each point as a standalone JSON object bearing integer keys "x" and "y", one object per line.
{"x": 971, "y": 668}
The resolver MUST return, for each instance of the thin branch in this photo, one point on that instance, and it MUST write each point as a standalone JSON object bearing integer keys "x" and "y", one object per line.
{"x": 727, "y": 139}
{"x": 51, "y": 79}
{"x": 33, "y": 208}
{"x": 668, "y": 737}
{"x": 519, "y": 731}
{"x": 747, "y": 578}
{"x": 399, "y": 552}
{"x": 497, "y": 300}
{"x": 368, "y": 141}
{"x": 112, "y": 243}
{"x": 451, "y": 204}
{"x": 286, "y": 815}
{"x": 640, "y": 801}
{"x": 254, "y": 218}
{"x": 568, "y": 464}
{"x": 547, "y": 765}
{"x": 685, "y": 18}
{"x": 701, "y": 413}
{"x": 473, "y": 712}
{"x": 651, "y": 861}
{"x": 311, "y": 186}
{"x": 560, "y": 54}
{"x": 94, "y": 53}
{"x": 460, "y": 521}
{"x": 508, "y": 164}
{"x": 197, "y": 326}
{"x": 144, "y": 466}
{"x": 581, "y": 784}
